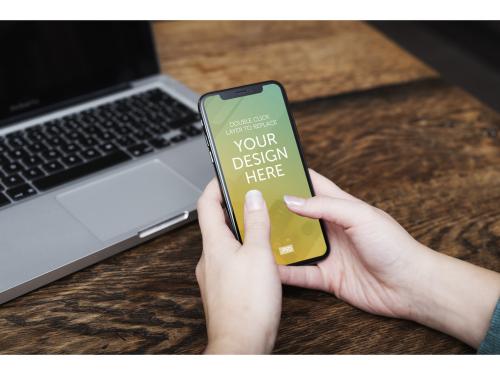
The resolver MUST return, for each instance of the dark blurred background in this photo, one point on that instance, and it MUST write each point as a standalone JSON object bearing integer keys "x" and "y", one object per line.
{"x": 466, "y": 53}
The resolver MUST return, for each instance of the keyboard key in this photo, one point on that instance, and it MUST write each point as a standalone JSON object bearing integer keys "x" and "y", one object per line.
{"x": 31, "y": 161}
{"x": 55, "y": 141}
{"x": 17, "y": 141}
{"x": 53, "y": 127}
{"x": 71, "y": 160}
{"x": 21, "y": 192}
{"x": 124, "y": 118}
{"x": 68, "y": 125}
{"x": 92, "y": 129}
{"x": 81, "y": 170}
{"x": 109, "y": 124}
{"x": 37, "y": 136}
{"x": 140, "y": 149}
{"x": 3, "y": 200}
{"x": 13, "y": 180}
{"x": 107, "y": 147}
{"x": 33, "y": 173}
{"x": 73, "y": 135}
{"x": 154, "y": 129}
{"x": 123, "y": 130}
{"x": 52, "y": 166}
{"x": 106, "y": 136}
{"x": 142, "y": 135}
{"x": 90, "y": 153}
{"x": 12, "y": 167}
{"x": 70, "y": 148}
{"x": 51, "y": 154}
{"x": 35, "y": 148}
{"x": 18, "y": 153}
{"x": 159, "y": 142}
{"x": 126, "y": 141}
{"x": 87, "y": 141}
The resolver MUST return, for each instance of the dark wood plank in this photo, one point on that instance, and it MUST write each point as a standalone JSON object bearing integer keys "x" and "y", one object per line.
{"x": 313, "y": 59}
{"x": 424, "y": 151}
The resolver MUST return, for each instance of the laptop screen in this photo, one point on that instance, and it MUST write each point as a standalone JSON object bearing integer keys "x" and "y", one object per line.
{"x": 45, "y": 63}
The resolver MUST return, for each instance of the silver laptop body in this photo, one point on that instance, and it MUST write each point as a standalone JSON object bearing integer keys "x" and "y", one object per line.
{"x": 63, "y": 229}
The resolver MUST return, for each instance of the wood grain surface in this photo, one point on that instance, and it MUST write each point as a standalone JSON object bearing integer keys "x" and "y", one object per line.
{"x": 312, "y": 59}
{"x": 372, "y": 118}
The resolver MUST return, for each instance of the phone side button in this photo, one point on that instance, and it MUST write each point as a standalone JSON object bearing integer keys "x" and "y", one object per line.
{"x": 211, "y": 157}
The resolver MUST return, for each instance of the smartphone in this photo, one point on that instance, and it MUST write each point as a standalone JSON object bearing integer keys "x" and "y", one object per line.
{"x": 254, "y": 144}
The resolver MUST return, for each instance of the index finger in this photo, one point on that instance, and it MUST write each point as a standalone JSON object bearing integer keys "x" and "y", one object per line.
{"x": 323, "y": 186}
{"x": 211, "y": 214}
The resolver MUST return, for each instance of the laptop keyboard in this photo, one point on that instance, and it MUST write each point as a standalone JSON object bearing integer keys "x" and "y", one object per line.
{"x": 48, "y": 155}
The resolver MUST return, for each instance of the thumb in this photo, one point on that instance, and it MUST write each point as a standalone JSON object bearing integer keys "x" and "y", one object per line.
{"x": 257, "y": 225}
{"x": 343, "y": 212}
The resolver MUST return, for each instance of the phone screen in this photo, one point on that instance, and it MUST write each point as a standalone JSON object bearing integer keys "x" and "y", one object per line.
{"x": 256, "y": 148}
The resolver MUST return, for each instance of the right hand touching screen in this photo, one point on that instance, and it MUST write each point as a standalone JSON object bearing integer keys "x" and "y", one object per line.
{"x": 375, "y": 265}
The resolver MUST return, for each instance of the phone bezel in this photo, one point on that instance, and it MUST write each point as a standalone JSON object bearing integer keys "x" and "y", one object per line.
{"x": 240, "y": 91}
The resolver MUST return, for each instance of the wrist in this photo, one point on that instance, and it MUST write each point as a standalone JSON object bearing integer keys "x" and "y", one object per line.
{"x": 229, "y": 346}
{"x": 454, "y": 297}
{"x": 421, "y": 289}
{"x": 234, "y": 344}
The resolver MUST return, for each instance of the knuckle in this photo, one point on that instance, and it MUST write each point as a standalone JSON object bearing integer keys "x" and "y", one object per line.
{"x": 258, "y": 223}
{"x": 317, "y": 205}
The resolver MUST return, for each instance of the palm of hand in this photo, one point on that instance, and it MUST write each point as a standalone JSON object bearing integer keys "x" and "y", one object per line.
{"x": 370, "y": 261}
{"x": 365, "y": 270}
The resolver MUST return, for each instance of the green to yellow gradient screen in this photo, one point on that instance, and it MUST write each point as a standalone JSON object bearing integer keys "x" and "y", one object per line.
{"x": 256, "y": 148}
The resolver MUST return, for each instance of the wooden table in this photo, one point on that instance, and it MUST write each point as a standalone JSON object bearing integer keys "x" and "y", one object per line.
{"x": 374, "y": 119}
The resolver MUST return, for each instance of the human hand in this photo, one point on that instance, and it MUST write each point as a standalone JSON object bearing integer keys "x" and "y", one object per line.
{"x": 373, "y": 260}
{"x": 240, "y": 285}
{"x": 375, "y": 265}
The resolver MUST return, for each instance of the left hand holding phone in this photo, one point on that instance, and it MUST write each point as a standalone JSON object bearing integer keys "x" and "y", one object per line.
{"x": 240, "y": 284}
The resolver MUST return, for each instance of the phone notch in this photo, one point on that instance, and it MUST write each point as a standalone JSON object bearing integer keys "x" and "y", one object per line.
{"x": 240, "y": 91}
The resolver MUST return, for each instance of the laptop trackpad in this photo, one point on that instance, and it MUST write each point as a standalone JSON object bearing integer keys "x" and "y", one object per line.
{"x": 130, "y": 201}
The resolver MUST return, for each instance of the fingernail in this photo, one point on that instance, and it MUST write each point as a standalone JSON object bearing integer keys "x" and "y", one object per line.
{"x": 254, "y": 200}
{"x": 293, "y": 201}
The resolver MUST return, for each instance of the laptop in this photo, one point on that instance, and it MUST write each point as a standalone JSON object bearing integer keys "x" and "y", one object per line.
{"x": 98, "y": 150}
